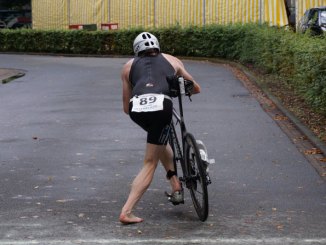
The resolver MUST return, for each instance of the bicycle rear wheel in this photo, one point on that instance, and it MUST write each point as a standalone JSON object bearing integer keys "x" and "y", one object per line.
{"x": 196, "y": 177}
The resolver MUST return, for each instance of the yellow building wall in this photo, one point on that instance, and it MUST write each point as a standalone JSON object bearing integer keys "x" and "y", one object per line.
{"x": 182, "y": 12}
{"x": 275, "y": 13}
{"x": 131, "y": 13}
{"x": 87, "y": 11}
{"x": 52, "y": 14}
{"x": 232, "y": 11}
{"x": 59, "y": 14}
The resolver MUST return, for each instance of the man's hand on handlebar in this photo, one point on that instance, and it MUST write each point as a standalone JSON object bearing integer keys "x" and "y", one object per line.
{"x": 189, "y": 87}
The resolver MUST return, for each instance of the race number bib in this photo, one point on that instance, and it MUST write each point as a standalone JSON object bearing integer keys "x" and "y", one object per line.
{"x": 148, "y": 102}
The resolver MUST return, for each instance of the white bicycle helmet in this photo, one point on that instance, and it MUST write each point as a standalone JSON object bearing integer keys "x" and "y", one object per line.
{"x": 144, "y": 41}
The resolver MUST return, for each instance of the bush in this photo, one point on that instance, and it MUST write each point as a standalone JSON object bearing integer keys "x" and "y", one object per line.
{"x": 300, "y": 60}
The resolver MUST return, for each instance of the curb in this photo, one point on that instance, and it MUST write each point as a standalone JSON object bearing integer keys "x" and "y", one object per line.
{"x": 7, "y": 75}
{"x": 311, "y": 147}
{"x": 305, "y": 130}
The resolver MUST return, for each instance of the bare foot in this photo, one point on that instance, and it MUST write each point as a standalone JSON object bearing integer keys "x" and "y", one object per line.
{"x": 129, "y": 218}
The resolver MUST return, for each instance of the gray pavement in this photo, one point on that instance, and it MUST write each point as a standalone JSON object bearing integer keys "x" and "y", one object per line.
{"x": 68, "y": 155}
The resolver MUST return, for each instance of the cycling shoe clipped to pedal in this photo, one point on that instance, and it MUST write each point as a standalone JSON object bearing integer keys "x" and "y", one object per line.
{"x": 176, "y": 197}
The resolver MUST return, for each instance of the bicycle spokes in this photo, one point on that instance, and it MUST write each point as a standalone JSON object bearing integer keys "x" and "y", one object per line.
{"x": 196, "y": 177}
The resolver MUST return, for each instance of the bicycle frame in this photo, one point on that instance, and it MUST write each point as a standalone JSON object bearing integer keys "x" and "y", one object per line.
{"x": 194, "y": 174}
{"x": 177, "y": 150}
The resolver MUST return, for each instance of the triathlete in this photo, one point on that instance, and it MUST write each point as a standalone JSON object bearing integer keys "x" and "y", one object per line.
{"x": 146, "y": 99}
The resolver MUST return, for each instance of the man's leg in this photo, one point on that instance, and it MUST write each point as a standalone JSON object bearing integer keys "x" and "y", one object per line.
{"x": 166, "y": 158}
{"x": 141, "y": 183}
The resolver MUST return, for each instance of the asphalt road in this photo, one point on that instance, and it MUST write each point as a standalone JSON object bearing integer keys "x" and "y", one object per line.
{"x": 68, "y": 155}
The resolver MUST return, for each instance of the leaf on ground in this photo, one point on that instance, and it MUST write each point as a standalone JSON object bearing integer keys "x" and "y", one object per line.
{"x": 63, "y": 200}
{"x": 60, "y": 201}
{"x": 259, "y": 213}
{"x": 279, "y": 226}
{"x": 81, "y": 215}
{"x": 280, "y": 118}
{"x": 312, "y": 151}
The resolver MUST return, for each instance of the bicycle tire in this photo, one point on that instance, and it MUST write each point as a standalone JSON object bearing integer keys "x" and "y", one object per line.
{"x": 196, "y": 177}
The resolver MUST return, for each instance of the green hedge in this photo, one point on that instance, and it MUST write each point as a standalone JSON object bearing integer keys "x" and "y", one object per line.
{"x": 300, "y": 60}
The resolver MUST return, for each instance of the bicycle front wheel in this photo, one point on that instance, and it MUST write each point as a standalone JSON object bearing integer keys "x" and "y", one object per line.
{"x": 196, "y": 177}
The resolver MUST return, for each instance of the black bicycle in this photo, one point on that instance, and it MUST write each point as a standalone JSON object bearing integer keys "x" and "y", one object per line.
{"x": 191, "y": 154}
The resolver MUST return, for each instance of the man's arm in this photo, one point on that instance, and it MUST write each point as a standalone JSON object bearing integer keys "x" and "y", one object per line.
{"x": 126, "y": 86}
{"x": 181, "y": 71}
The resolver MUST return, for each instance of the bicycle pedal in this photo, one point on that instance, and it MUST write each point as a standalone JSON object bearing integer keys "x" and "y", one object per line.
{"x": 208, "y": 180}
